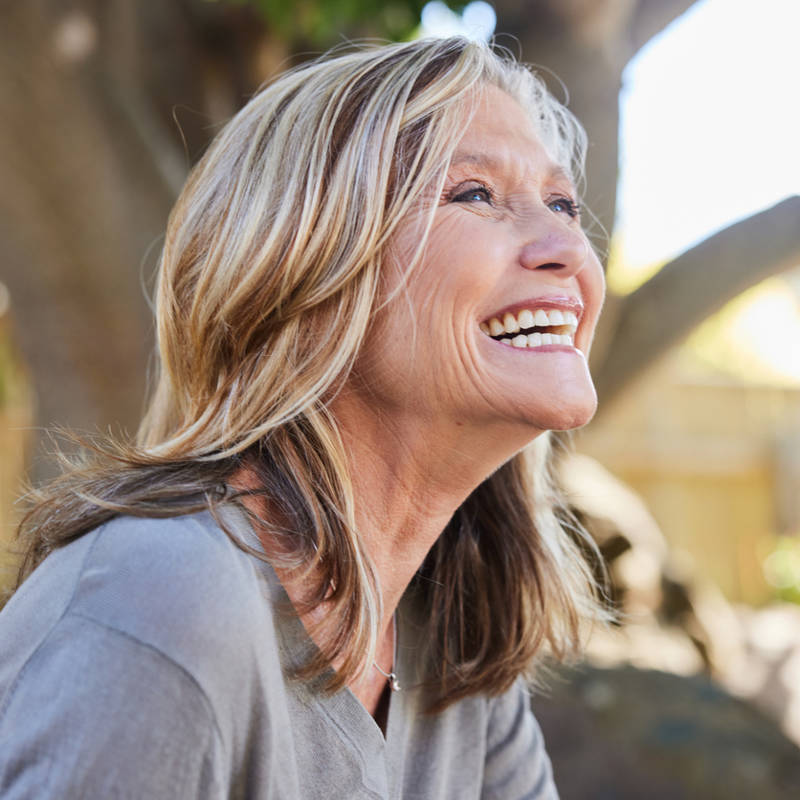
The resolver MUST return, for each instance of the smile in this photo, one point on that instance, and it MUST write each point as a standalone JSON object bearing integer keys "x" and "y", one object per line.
{"x": 536, "y": 328}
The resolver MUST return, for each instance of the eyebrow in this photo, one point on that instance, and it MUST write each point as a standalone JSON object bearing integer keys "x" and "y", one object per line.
{"x": 492, "y": 162}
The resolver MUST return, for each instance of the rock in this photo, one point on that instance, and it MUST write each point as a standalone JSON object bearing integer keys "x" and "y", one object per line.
{"x": 625, "y": 733}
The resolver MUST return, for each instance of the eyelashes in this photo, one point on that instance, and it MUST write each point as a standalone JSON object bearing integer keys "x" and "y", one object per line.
{"x": 475, "y": 194}
{"x": 480, "y": 193}
{"x": 564, "y": 205}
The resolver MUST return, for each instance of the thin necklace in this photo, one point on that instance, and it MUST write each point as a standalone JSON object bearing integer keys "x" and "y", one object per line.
{"x": 394, "y": 684}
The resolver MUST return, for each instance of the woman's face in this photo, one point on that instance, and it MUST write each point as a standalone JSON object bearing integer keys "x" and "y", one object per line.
{"x": 495, "y": 323}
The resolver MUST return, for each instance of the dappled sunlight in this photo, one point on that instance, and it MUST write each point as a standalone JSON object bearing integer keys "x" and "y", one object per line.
{"x": 623, "y": 278}
{"x": 754, "y": 338}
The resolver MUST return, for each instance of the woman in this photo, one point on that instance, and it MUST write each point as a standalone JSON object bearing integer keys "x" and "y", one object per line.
{"x": 330, "y": 559}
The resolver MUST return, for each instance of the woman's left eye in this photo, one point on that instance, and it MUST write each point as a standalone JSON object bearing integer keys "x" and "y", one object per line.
{"x": 563, "y": 205}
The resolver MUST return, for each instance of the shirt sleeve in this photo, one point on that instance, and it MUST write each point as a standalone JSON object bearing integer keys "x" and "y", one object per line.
{"x": 97, "y": 714}
{"x": 517, "y": 766}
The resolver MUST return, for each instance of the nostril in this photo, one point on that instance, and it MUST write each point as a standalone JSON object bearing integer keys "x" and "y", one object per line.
{"x": 562, "y": 251}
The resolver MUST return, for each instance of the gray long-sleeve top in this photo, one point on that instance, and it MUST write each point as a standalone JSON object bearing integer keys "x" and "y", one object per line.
{"x": 149, "y": 658}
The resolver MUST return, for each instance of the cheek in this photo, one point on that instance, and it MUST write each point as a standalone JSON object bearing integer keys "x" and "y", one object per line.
{"x": 414, "y": 348}
{"x": 432, "y": 298}
{"x": 593, "y": 288}
{"x": 426, "y": 324}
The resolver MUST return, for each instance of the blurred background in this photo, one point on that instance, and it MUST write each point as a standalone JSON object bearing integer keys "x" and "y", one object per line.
{"x": 689, "y": 478}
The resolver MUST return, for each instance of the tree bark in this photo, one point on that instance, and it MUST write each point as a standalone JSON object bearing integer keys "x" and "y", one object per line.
{"x": 80, "y": 207}
{"x": 93, "y": 160}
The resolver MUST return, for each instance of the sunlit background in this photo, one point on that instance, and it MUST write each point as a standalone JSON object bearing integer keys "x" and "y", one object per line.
{"x": 706, "y": 141}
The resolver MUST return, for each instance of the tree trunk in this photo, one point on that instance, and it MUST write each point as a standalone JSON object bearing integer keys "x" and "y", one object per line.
{"x": 93, "y": 162}
{"x": 81, "y": 205}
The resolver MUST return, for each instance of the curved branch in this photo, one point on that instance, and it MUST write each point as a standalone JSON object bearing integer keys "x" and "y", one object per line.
{"x": 652, "y": 16}
{"x": 697, "y": 283}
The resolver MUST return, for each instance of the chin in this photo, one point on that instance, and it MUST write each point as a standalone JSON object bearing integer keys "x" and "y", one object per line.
{"x": 577, "y": 420}
{"x": 565, "y": 414}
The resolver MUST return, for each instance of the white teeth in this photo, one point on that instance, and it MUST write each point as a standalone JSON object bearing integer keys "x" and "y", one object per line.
{"x": 533, "y": 340}
{"x": 525, "y": 319}
{"x": 567, "y": 321}
{"x": 510, "y": 323}
{"x": 541, "y": 317}
{"x": 496, "y": 327}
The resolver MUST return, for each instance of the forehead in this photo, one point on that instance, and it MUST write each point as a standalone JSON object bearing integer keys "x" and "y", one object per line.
{"x": 501, "y": 134}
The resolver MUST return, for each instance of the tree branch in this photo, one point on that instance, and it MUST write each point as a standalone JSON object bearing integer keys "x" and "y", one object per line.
{"x": 652, "y": 16}
{"x": 696, "y": 284}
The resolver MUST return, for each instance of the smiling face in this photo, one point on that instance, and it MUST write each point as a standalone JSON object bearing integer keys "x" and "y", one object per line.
{"x": 494, "y": 325}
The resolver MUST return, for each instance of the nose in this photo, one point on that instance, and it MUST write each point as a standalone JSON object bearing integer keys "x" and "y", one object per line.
{"x": 555, "y": 246}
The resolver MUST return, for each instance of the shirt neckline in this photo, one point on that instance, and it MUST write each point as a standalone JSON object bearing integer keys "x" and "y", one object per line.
{"x": 343, "y": 709}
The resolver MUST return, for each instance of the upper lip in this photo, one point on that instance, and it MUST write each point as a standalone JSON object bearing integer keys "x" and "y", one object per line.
{"x": 562, "y": 302}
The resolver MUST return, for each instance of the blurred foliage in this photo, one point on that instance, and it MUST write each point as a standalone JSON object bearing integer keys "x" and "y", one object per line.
{"x": 319, "y": 21}
{"x": 782, "y": 569}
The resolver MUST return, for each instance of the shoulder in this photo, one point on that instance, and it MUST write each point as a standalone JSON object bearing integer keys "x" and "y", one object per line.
{"x": 175, "y": 584}
{"x": 159, "y": 562}
{"x": 161, "y": 621}
{"x": 516, "y": 760}
{"x": 170, "y": 545}
{"x": 93, "y": 710}
{"x": 178, "y": 586}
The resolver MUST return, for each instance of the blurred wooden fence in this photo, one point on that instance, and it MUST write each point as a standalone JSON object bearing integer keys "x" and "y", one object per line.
{"x": 718, "y": 464}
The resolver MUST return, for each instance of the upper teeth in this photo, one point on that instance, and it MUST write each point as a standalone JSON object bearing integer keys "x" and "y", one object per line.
{"x": 565, "y": 324}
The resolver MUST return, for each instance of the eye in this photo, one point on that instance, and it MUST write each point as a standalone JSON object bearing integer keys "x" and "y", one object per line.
{"x": 475, "y": 194}
{"x": 563, "y": 205}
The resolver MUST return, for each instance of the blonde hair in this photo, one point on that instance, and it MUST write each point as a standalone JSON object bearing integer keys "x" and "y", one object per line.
{"x": 268, "y": 281}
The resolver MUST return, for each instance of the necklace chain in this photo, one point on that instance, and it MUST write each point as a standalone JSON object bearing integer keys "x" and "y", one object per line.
{"x": 394, "y": 683}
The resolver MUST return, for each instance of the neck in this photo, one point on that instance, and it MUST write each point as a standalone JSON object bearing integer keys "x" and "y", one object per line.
{"x": 409, "y": 476}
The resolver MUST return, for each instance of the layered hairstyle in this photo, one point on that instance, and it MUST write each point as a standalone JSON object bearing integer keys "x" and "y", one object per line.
{"x": 268, "y": 282}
